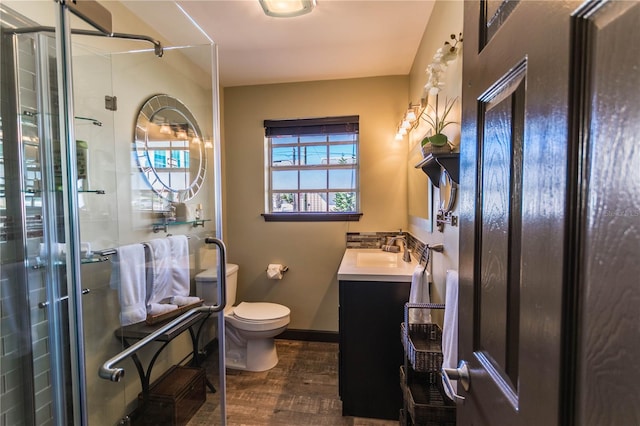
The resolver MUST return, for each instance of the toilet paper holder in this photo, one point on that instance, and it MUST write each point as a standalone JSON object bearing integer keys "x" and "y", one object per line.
{"x": 275, "y": 271}
{"x": 282, "y": 269}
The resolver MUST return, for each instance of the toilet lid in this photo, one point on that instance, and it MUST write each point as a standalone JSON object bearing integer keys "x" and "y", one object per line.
{"x": 260, "y": 311}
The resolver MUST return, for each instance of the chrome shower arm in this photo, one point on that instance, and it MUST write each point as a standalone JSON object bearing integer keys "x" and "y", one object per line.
{"x": 157, "y": 46}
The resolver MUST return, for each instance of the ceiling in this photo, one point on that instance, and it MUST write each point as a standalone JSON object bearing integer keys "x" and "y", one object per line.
{"x": 339, "y": 39}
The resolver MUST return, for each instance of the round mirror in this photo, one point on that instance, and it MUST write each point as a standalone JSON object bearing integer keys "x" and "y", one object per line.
{"x": 170, "y": 148}
{"x": 448, "y": 190}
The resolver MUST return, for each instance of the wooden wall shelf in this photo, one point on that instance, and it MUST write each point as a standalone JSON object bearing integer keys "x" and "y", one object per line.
{"x": 433, "y": 164}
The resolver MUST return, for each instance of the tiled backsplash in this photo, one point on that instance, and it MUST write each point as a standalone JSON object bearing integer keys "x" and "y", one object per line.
{"x": 378, "y": 239}
{"x": 369, "y": 239}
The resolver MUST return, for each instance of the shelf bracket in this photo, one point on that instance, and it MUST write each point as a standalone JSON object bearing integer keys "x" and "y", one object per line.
{"x": 159, "y": 227}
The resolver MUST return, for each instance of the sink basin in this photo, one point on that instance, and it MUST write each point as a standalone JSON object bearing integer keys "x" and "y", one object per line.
{"x": 365, "y": 264}
{"x": 377, "y": 259}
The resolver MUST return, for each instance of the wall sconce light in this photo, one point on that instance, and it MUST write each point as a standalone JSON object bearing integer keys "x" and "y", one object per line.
{"x": 208, "y": 144}
{"x": 181, "y": 134}
{"x": 411, "y": 114}
{"x": 409, "y": 121}
{"x": 165, "y": 129}
{"x": 287, "y": 8}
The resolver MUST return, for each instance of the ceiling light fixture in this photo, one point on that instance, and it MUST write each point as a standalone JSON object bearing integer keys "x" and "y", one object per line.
{"x": 287, "y": 8}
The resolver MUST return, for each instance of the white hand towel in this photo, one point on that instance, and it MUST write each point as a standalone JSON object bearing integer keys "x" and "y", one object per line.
{"x": 160, "y": 308}
{"x": 160, "y": 277}
{"x": 183, "y": 300}
{"x": 128, "y": 277}
{"x": 180, "y": 265}
{"x": 450, "y": 326}
{"x": 419, "y": 293}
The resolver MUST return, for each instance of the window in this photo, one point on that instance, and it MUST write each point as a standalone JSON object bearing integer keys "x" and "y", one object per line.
{"x": 312, "y": 169}
{"x": 170, "y": 159}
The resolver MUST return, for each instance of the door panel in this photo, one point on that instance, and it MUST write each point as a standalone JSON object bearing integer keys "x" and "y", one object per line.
{"x": 499, "y": 239}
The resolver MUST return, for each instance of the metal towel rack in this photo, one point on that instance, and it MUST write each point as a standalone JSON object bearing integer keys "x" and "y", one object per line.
{"x": 109, "y": 372}
{"x": 114, "y": 251}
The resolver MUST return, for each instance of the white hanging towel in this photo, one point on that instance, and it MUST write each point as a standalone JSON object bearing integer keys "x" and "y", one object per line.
{"x": 160, "y": 270}
{"x": 419, "y": 293}
{"x": 450, "y": 326}
{"x": 128, "y": 277}
{"x": 180, "y": 265}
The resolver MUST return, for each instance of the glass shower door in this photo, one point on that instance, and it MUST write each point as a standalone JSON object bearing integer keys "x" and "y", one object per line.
{"x": 42, "y": 351}
{"x": 98, "y": 211}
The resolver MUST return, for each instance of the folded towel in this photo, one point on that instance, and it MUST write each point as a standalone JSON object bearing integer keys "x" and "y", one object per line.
{"x": 419, "y": 293}
{"x": 183, "y": 300}
{"x": 179, "y": 245}
{"x": 450, "y": 326}
{"x": 128, "y": 277}
{"x": 160, "y": 308}
{"x": 160, "y": 270}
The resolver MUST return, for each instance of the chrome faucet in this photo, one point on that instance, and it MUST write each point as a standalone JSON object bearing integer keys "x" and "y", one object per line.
{"x": 406, "y": 256}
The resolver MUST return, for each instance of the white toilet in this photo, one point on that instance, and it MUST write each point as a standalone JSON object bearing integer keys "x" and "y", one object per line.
{"x": 249, "y": 327}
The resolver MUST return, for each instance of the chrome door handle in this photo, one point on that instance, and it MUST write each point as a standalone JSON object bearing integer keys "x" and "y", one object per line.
{"x": 461, "y": 374}
{"x": 44, "y": 304}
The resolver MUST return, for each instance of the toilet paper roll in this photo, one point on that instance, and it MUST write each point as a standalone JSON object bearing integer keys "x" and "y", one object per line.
{"x": 274, "y": 271}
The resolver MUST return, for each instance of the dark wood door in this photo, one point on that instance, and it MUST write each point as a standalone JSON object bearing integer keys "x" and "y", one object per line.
{"x": 549, "y": 213}
{"x": 514, "y": 163}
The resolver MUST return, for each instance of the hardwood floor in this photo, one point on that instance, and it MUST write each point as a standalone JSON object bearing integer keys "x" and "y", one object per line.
{"x": 301, "y": 390}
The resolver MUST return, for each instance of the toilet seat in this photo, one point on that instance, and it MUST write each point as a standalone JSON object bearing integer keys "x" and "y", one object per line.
{"x": 258, "y": 316}
{"x": 260, "y": 311}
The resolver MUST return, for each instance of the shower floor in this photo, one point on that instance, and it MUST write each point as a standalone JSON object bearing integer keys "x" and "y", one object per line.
{"x": 301, "y": 390}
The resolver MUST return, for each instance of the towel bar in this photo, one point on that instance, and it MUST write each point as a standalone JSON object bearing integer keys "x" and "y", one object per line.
{"x": 109, "y": 372}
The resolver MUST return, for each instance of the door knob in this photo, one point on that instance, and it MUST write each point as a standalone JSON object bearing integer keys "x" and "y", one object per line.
{"x": 460, "y": 374}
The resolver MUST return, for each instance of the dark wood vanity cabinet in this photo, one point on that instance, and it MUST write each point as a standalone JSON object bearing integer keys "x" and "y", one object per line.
{"x": 371, "y": 351}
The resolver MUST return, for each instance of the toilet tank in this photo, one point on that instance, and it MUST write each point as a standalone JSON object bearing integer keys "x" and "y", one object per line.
{"x": 207, "y": 285}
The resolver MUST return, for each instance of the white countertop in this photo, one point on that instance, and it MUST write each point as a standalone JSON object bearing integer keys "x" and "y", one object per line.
{"x": 375, "y": 265}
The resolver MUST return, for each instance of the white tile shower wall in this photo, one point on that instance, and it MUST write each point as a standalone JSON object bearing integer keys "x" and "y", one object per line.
{"x": 11, "y": 375}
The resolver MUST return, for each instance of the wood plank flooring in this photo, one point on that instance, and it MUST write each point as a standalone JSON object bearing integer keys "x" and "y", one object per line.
{"x": 301, "y": 390}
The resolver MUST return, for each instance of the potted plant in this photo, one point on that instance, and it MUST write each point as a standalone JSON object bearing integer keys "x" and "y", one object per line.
{"x": 436, "y": 141}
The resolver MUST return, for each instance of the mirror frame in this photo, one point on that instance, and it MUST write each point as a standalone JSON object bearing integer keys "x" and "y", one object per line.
{"x": 149, "y": 109}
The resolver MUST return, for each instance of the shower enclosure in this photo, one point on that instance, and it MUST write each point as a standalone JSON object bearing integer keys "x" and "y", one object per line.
{"x": 71, "y": 194}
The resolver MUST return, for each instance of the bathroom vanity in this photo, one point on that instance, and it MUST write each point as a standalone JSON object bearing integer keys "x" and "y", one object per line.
{"x": 373, "y": 288}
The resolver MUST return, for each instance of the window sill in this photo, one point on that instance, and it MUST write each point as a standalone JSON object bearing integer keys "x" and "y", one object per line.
{"x": 311, "y": 217}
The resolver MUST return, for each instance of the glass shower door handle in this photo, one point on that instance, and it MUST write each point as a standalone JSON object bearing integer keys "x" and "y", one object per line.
{"x": 44, "y": 304}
